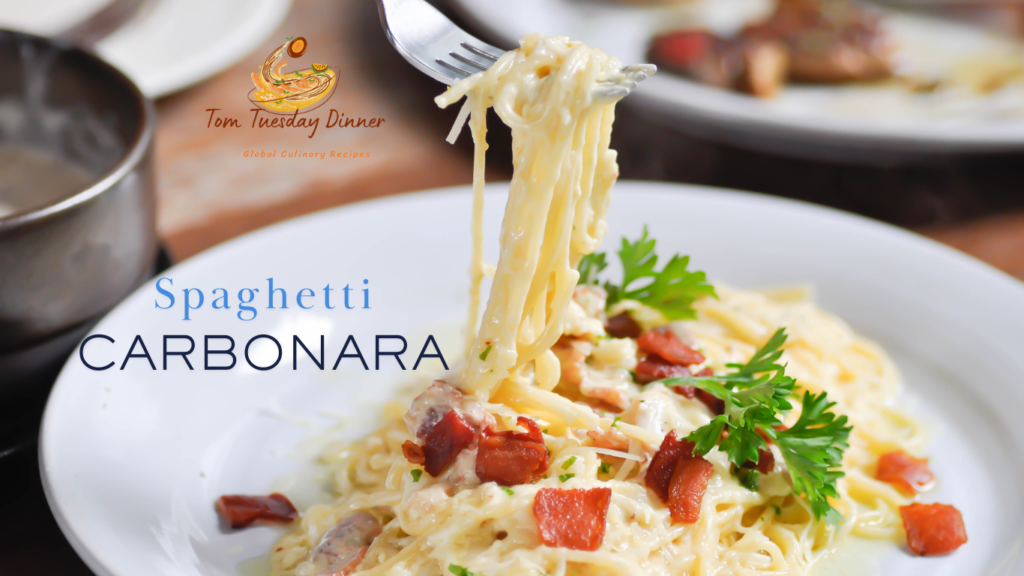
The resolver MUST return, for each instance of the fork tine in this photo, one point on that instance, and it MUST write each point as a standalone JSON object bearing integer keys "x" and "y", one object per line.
{"x": 432, "y": 43}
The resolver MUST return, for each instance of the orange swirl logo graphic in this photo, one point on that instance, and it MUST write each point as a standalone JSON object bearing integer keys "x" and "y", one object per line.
{"x": 289, "y": 92}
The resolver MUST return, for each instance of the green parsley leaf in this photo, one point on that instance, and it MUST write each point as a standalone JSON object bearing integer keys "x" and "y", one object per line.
{"x": 756, "y": 395}
{"x": 416, "y": 473}
{"x": 508, "y": 491}
{"x": 748, "y": 478}
{"x": 460, "y": 571}
{"x": 813, "y": 449}
{"x": 671, "y": 291}
{"x": 483, "y": 355}
{"x": 564, "y": 477}
{"x": 615, "y": 423}
{"x": 568, "y": 463}
{"x": 590, "y": 266}
{"x": 606, "y": 467}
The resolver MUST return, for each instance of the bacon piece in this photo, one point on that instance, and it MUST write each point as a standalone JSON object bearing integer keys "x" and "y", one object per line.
{"x": 933, "y": 528}
{"x": 447, "y": 438}
{"x": 906, "y": 473}
{"x": 573, "y": 519}
{"x": 413, "y": 452}
{"x": 685, "y": 391}
{"x": 679, "y": 478}
{"x": 765, "y": 461}
{"x": 667, "y": 346}
{"x": 511, "y": 457}
{"x": 623, "y": 326}
{"x": 653, "y": 368}
{"x": 242, "y": 511}
{"x": 343, "y": 547}
{"x": 686, "y": 492}
{"x": 659, "y": 474}
{"x": 715, "y": 404}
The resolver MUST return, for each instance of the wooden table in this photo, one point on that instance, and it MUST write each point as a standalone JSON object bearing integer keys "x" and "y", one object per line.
{"x": 209, "y": 191}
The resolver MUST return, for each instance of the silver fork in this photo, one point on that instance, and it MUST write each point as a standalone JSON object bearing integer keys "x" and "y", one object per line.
{"x": 437, "y": 47}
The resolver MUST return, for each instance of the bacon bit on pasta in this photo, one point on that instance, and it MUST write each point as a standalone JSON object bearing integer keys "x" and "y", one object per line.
{"x": 685, "y": 493}
{"x": 448, "y": 437}
{"x": 679, "y": 478}
{"x": 906, "y": 473}
{"x": 933, "y": 528}
{"x": 573, "y": 519}
{"x": 765, "y": 461}
{"x": 653, "y": 368}
{"x": 413, "y": 452}
{"x": 242, "y": 511}
{"x": 667, "y": 346}
{"x": 510, "y": 458}
{"x": 343, "y": 547}
{"x": 663, "y": 464}
{"x": 623, "y": 326}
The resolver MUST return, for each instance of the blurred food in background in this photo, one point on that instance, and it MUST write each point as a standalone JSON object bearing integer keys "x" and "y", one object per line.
{"x": 840, "y": 42}
{"x": 813, "y": 41}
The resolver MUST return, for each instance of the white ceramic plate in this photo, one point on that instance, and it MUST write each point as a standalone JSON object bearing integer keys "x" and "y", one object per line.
{"x": 133, "y": 460}
{"x": 835, "y": 122}
{"x": 170, "y": 44}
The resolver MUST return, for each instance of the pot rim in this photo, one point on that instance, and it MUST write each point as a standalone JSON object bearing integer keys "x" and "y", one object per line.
{"x": 135, "y": 155}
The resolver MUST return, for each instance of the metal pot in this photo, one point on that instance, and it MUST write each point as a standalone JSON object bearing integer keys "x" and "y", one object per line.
{"x": 66, "y": 263}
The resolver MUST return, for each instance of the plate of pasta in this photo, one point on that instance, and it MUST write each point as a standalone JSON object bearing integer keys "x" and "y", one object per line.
{"x": 681, "y": 380}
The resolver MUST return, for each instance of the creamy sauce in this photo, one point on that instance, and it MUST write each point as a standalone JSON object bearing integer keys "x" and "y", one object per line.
{"x": 31, "y": 178}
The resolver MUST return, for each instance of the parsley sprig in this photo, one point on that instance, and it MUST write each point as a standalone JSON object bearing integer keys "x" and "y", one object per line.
{"x": 756, "y": 395}
{"x": 670, "y": 290}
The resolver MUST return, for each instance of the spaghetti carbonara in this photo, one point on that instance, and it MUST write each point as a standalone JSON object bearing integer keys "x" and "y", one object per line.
{"x": 547, "y": 453}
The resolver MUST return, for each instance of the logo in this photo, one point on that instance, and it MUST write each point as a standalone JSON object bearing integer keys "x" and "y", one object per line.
{"x": 302, "y": 90}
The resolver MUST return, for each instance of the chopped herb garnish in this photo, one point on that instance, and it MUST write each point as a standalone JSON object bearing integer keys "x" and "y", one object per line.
{"x": 460, "y": 571}
{"x": 508, "y": 491}
{"x": 416, "y": 473}
{"x": 748, "y": 478}
{"x": 568, "y": 463}
{"x": 606, "y": 467}
{"x": 756, "y": 394}
{"x": 545, "y": 430}
{"x": 564, "y": 477}
{"x": 671, "y": 291}
{"x": 615, "y": 423}
{"x": 483, "y": 355}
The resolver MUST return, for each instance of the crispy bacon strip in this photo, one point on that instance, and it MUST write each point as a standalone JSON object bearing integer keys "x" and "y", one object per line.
{"x": 242, "y": 511}
{"x": 686, "y": 492}
{"x": 715, "y": 404}
{"x": 653, "y": 368}
{"x": 623, "y": 326}
{"x": 449, "y": 436}
{"x": 663, "y": 464}
{"x": 667, "y": 346}
{"x": 765, "y": 461}
{"x": 679, "y": 478}
{"x": 933, "y": 528}
{"x": 906, "y": 473}
{"x": 573, "y": 519}
{"x": 511, "y": 457}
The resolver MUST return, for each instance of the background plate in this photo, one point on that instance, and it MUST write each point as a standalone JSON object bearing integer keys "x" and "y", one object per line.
{"x": 847, "y": 122}
{"x": 170, "y": 44}
{"x": 132, "y": 460}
